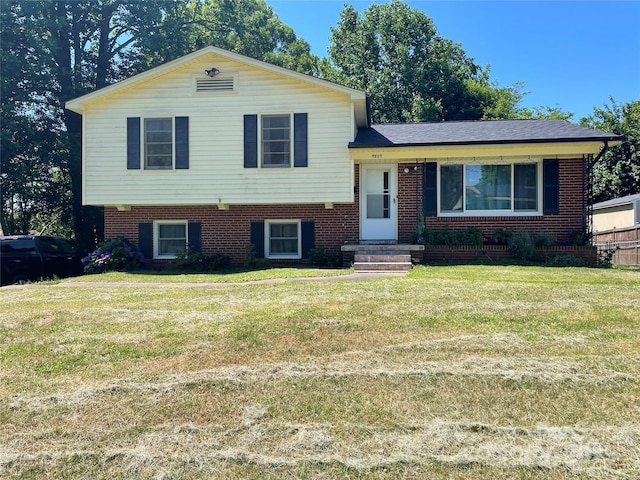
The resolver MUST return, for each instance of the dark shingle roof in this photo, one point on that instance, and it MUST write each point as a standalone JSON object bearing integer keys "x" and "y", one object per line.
{"x": 476, "y": 132}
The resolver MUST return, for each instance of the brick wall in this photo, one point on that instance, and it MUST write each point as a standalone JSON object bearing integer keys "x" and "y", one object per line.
{"x": 561, "y": 225}
{"x": 492, "y": 253}
{"x": 228, "y": 231}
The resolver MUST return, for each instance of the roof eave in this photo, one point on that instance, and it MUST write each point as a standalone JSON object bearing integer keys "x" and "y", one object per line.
{"x": 610, "y": 141}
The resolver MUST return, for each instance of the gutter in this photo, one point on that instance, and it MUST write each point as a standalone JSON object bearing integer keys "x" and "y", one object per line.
{"x": 490, "y": 142}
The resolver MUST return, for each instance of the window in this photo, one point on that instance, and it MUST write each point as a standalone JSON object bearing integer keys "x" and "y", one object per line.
{"x": 158, "y": 143}
{"x": 162, "y": 143}
{"x": 489, "y": 188}
{"x": 170, "y": 238}
{"x": 282, "y": 238}
{"x": 276, "y": 140}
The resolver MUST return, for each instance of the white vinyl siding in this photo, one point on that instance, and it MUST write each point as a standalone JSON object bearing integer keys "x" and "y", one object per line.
{"x": 216, "y": 172}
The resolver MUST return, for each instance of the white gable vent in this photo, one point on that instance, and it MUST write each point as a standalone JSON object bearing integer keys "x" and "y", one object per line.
{"x": 217, "y": 84}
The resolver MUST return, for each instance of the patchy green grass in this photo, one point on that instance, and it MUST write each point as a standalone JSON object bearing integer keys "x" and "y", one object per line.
{"x": 448, "y": 372}
{"x": 226, "y": 276}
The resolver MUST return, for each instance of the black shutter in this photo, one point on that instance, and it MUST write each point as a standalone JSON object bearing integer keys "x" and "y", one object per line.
{"x": 550, "y": 187}
{"x": 182, "y": 142}
{"x": 195, "y": 236}
{"x": 430, "y": 188}
{"x": 145, "y": 239}
{"x": 308, "y": 232}
{"x": 257, "y": 238}
{"x": 251, "y": 141}
{"x": 133, "y": 143}
{"x": 300, "y": 149}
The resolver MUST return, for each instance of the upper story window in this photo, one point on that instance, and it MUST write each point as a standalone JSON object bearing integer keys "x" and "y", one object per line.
{"x": 276, "y": 140}
{"x": 490, "y": 188}
{"x": 158, "y": 143}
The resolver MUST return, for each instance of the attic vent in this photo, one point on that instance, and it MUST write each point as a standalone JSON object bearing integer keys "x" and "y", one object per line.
{"x": 215, "y": 84}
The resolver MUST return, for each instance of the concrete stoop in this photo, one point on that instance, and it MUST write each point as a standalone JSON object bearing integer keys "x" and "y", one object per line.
{"x": 382, "y": 257}
{"x": 380, "y": 262}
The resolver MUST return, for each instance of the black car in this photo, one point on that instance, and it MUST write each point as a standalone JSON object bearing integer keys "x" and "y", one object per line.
{"x": 31, "y": 258}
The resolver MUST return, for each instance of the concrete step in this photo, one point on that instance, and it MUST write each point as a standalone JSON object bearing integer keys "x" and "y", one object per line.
{"x": 382, "y": 266}
{"x": 379, "y": 257}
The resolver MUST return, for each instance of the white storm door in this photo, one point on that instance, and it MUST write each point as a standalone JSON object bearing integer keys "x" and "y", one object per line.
{"x": 378, "y": 202}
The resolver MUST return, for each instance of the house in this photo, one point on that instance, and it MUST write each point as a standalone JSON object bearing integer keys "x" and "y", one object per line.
{"x": 220, "y": 151}
{"x": 616, "y": 228}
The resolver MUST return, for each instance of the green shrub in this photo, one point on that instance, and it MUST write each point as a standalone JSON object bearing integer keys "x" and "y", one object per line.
{"x": 471, "y": 236}
{"x": 543, "y": 239}
{"x": 252, "y": 261}
{"x": 565, "y": 261}
{"x": 468, "y": 236}
{"x": 605, "y": 256}
{"x": 195, "y": 262}
{"x": 523, "y": 245}
{"x": 319, "y": 257}
{"x": 502, "y": 236}
{"x": 114, "y": 255}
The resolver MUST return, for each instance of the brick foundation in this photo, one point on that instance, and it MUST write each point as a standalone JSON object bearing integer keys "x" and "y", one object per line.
{"x": 496, "y": 253}
{"x": 228, "y": 231}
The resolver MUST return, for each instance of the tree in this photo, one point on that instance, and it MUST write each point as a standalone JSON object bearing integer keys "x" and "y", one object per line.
{"x": 248, "y": 27}
{"x": 411, "y": 72}
{"x": 617, "y": 172}
{"x": 53, "y": 51}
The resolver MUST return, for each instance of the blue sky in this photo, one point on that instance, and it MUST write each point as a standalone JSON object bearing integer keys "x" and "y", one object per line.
{"x": 571, "y": 54}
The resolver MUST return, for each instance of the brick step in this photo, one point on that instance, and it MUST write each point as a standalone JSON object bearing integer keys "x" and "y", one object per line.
{"x": 382, "y": 266}
{"x": 379, "y": 257}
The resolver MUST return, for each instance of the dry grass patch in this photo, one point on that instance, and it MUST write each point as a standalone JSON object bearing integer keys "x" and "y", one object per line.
{"x": 452, "y": 372}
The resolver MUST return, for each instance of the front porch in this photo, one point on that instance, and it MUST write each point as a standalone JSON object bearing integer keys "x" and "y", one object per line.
{"x": 382, "y": 256}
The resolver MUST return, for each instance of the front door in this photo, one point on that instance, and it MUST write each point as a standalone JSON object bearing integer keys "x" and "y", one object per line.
{"x": 378, "y": 202}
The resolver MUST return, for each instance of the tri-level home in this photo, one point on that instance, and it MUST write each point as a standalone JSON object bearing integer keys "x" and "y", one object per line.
{"x": 220, "y": 151}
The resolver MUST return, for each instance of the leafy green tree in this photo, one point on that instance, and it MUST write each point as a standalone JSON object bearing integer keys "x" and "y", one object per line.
{"x": 248, "y": 27}
{"x": 617, "y": 172}
{"x": 411, "y": 72}
{"x": 53, "y": 51}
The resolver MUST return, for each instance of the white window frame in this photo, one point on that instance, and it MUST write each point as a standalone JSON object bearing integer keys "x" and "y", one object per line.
{"x": 491, "y": 213}
{"x": 261, "y": 141}
{"x": 267, "y": 238}
{"x": 156, "y": 236}
{"x": 143, "y": 142}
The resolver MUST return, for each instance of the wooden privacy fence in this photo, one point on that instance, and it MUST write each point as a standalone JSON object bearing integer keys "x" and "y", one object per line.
{"x": 624, "y": 242}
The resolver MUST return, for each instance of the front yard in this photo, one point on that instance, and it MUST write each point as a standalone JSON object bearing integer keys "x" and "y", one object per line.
{"x": 450, "y": 372}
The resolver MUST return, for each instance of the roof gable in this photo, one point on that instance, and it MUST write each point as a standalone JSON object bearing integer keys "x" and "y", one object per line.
{"x": 358, "y": 97}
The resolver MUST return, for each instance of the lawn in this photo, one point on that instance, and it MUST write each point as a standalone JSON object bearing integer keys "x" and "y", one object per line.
{"x": 449, "y": 372}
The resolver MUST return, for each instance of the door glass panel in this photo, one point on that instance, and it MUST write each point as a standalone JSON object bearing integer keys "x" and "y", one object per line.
{"x": 378, "y": 195}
